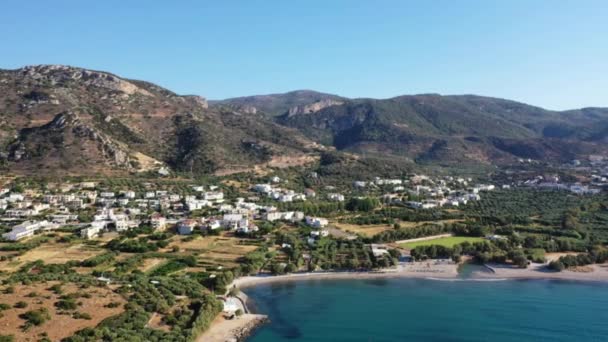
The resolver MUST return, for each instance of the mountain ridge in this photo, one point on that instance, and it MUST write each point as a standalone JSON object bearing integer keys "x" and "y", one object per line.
{"x": 57, "y": 117}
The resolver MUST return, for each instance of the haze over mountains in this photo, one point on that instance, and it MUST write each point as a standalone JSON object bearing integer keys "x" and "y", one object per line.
{"x": 68, "y": 119}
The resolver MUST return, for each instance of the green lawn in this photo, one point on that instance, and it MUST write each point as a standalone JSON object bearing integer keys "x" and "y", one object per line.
{"x": 445, "y": 241}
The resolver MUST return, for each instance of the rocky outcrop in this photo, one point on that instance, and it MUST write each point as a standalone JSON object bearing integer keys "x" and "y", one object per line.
{"x": 68, "y": 124}
{"x": 60, "y": 74}
{"x": 313, "y": 107}
{"x": 242, "y": 333}
{"x": 198, "y": 100}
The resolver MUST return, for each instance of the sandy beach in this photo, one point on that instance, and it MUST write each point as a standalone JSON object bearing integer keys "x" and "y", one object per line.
{"x": 433, "y": 270}
{"x": 539, "y": 271}
{"x": 232, "y": 330}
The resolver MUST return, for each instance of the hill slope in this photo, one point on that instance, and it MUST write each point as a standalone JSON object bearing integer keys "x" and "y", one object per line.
{"x": 83, "y": 121}
{"x": 277, "y": 104}
{"x": 65, "y": 119}
{"x": 455, "y": 129}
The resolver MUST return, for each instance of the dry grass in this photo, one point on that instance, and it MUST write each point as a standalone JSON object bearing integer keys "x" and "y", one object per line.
{"x": 150, "y": 263}
{"x": 52, "y": 253}
{"x": 216, "y": 250}
{"x": 59, "y": 326}
{"x": 365, "y": 230}
{"x": 370, "y": 230}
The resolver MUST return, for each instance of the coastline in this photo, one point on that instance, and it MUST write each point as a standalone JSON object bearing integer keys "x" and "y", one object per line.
{"x": 239, "y": 329}
{"x": 232, "y": 330}
{"x": 599, "y": 273}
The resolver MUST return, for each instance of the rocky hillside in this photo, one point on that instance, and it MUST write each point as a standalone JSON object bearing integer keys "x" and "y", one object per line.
{"x": 60, "y": 118}
{"x": 70, "y": 120}
{"x": 454, "y": 129}
{"x": 299, "y": 101}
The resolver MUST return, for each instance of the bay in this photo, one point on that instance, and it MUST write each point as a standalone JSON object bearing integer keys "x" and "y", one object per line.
{"x": 431, "y": 310}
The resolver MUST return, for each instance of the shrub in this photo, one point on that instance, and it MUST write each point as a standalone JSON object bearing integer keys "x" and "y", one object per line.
{"x": 20, "y": 305}
{"x": 36, "y": 317}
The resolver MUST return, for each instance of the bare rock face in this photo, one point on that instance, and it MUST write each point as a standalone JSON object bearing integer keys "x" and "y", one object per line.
{"x": 60, "y": 74}
{"x": 65, "y": 125}
{"x": 313, "y": 107}
{"x": 248, "y": 109}
{"x": 199, "y": 100}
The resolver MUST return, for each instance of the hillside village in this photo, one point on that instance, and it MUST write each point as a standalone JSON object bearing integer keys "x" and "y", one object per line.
{"x": 34, "y": 211}
{"x": 60, "y": 205}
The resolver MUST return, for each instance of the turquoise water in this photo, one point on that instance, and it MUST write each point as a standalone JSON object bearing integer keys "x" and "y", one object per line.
{"x": 432, "y": 310}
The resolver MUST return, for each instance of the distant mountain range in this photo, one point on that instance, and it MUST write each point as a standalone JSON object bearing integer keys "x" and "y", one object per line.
{"x": 72, "y": 120}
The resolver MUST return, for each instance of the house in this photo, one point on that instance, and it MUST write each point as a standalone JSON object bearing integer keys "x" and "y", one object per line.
{"x": 163, "y": 171}
{"x": 27, "y": 229}
{"x": 319, "y": 233}
{"x": 93, "y": 230}
{"x": 310, "y": 193}
{"x": 246, "y": 227}
{"x": 235, "y": 221}
{"x": 379, "y": 250}
{"x": 158, "y": 221}
{"x": 214, "y": 224}
{"x": 359, "y": 184}
{"x": 316, "y": 222}
{"x": 216, "y": 196}
{"x": 231, "y": 305}
{"x": 15, "y": 197}
{"x": 285, "y": 216}
{"x": 336, "y": 197}
{"x": 122, "y": 225}
{"x": 87, "y": 185}
{"x": 186, "y": 227}
{"x": 263, "y": 188}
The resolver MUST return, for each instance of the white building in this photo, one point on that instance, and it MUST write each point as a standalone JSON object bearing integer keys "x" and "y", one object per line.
{"x": 27, "y": 229}
{"x": 336, "y": 197}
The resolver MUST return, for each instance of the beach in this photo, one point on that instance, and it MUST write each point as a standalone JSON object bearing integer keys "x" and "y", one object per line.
{"x": 223, "y": 330}
{"x": 232, "y": 330}
{"x": 597, "y": 273}
{"x": 433, "y": 270}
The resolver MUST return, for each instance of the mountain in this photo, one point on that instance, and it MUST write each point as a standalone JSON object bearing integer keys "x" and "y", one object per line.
{"x": 79, "y": 121}
{"x": 277, "y": 104}
{"x": 68, "y": 120}
{"x": 432, "y": 128}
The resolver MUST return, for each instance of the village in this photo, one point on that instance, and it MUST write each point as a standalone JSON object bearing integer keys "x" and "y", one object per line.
{"x": 32, "y": 211}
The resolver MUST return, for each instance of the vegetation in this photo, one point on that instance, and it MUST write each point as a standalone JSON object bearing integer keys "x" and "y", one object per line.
{"x": 445, "y": 241}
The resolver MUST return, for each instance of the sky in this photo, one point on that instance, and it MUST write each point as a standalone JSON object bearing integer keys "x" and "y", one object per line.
{"x": 551, "y": 53}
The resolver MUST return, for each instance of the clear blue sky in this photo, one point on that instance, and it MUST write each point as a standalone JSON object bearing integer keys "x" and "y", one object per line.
{"x": 549, "y": 53}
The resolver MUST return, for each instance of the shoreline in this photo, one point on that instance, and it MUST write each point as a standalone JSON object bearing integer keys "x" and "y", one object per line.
{"x": 599, "y": 273}
{"x": 233, "y": 330}
{"x": 240, "y": 329}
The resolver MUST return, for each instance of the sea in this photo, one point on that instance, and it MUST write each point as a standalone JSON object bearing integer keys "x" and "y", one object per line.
{"x": 431, "y": 310}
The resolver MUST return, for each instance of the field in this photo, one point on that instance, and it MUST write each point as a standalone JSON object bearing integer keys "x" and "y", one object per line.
{"x": 52, "y": 253}
{"x": 215, "y": 250}
{"x": 61, "y": 323}
{"x": 369, "y": 230}
{"x": 444, "y": 241}
{"x": 365, "y": 230}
